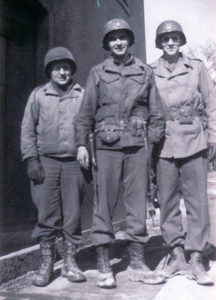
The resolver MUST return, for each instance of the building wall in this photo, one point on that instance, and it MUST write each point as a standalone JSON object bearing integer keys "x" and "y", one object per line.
{"x": 28, "y": 28}
{"x": 17, "y": 30}
{"x": 79, "y": 27}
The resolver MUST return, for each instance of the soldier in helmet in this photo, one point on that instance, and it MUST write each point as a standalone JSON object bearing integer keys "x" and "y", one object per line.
{"x": 49, "y": 150}
{"x": 188, "y": 97}
{"x": 120, "y": 99}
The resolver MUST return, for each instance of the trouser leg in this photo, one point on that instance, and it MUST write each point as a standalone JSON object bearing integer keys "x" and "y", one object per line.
{"x": 135, "y": 181}
{"x": 194, "y": 189}
{"x": 47, "y": 199}
{"x": 72, "y": 193}
{"x": 108, "y": 183}
{"x": 171, "y": 219}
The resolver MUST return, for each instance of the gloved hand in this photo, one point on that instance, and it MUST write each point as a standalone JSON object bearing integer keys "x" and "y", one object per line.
{"x": 83, "y": 157}
{"x": 35, "y": 170}
{"x": 211, "y": 151}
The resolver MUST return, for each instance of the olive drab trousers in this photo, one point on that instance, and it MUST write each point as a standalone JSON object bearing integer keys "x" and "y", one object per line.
{"x": 129, "y": 165}
{"x": 58, "y": 200}
{"x": 194, "y": 189}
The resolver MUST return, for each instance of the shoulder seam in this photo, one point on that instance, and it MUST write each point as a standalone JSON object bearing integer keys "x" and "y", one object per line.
{"x": 195, "y": 58}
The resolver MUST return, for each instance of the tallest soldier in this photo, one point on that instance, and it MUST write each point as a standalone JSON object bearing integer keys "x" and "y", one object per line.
{"x": 188, "y": 96}
{"x": 120, "y": 99}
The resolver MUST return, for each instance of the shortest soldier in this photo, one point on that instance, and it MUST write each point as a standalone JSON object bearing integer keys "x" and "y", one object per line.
{"x": 49, "y": 150}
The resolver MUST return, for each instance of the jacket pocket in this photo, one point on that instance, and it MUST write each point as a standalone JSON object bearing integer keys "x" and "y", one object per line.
{"x": 195, "y": 127}
{"x": 109, "y": 89}
{"x": 139, "y": 79}
{"x": 109, "y": 78}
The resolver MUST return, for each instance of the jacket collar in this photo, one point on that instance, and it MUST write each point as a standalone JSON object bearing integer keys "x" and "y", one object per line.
{"x": 182, "y": 66}
{"x": 134, "y": 66}
{"x": 49, "y": 89}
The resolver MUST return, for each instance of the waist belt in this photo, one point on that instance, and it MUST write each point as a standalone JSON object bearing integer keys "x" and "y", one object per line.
{"x": 134, "y": 124}
{"x": 105, "y": 126}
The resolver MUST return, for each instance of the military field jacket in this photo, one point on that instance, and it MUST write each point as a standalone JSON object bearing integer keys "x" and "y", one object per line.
{"x": 115, "y": 94}
{"x": 189, "y": 85}
{"x": 48, "y": 122}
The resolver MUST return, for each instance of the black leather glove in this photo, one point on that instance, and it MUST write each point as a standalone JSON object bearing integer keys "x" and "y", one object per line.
{"x": 211, "y": 151}
{"x": 35, "y": 170}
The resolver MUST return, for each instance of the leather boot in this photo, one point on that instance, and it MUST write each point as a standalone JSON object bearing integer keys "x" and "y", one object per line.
{"x": 105, "y": 279}
{"x": 138, "y": 270}
{"x": 177, "y": 264}
{"x": 45, "y": 270}
{"x": 70, "y": 269}
{"x": 196, "y": 270}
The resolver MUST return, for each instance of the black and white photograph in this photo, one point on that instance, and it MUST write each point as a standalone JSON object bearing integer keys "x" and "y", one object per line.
{"x": 107, "y": 149}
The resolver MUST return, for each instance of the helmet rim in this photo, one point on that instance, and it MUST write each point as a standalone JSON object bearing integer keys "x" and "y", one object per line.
{"x": 58, "y": 54}
{"x": 129, "y": 33}
{"x": 167, "y": 27}
{"x": 115, "y": 25}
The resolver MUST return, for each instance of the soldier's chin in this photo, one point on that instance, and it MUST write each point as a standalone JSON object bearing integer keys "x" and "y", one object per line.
{"x": 63, "y": 83}
{"x": 63, "y": 80}
{"x": 120, "y": 52}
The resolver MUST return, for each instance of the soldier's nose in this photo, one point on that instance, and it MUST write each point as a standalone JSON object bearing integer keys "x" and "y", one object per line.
{"x": 170, "y": 42}
{"x": 61, "y": 71}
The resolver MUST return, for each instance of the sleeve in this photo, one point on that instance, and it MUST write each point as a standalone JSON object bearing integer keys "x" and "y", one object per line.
{"x": 156, "y": 111}
{"x": 86, "y": 116}
{"x": 28, "y": 128}
{"x": 208, "y": 93}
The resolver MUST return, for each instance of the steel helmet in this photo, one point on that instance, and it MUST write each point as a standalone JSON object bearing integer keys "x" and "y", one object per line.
{"x": 113, "y": 25}
{"x": 169, "y": 26}
{"x": 57, "y": 54}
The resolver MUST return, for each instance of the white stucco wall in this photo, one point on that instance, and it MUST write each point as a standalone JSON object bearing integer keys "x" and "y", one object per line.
{"x": 197, "y": 17}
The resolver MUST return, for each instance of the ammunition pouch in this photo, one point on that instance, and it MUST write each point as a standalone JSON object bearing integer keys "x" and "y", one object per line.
{"x": 183, "y": 114}
{"x": 109, "y": 134}
{"x": 186, "y": 115}
{"x": 135, "y": 125}
{"x": 109, "y": 137}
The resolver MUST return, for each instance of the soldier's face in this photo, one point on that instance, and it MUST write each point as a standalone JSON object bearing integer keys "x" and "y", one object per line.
{"x": 61, "y": 73}
{"x": 171, "y": 43}
{"x": 118, "y": 43}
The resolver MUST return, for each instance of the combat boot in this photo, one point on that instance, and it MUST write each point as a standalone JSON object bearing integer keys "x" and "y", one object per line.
{"x": 45, "y": 270}
{"x": 138, "y": 270}
{"x": 105, "y": 279}
{"x": 70, "y": 269}
{"x": 196, "y": 270}
{"x": 177, "y": 264}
